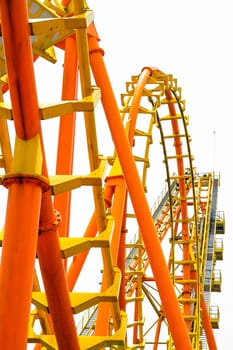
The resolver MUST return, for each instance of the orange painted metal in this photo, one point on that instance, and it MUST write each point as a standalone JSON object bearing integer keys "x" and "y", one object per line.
{"x": 18, "y": 256}
{"x": 20, "y": 72}
{"x": 27, "y": 125}
{"x": 65, "y": 152}
{"x": 53, "y": 274}
{"x": 79, "y": 260}
{"x": 157, "y": 333}
{"x": 207, "y": 325}
{"x": 151, "y": 241}
{"x": 146, "y": 72}
{"x": 121, "y": 260}
{"x": 115, "y": 185}
{"x": 183, "y": 205}
{"x": 119, "y": 186}
{"x": 5, "y": 146}
{"x": 24, "y": 196}
{"x": 54, "y": 277}
{"x": 65, "y": 2}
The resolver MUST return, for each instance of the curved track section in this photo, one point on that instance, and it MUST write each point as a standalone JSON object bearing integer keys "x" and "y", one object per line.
{"x": 94, "y": 262}
{"x": 178, "y": 218}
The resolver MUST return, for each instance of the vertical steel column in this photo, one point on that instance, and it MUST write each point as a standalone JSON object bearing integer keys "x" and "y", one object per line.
{"x": 24, "y": 198}
{"x": 17, "y": 263}
{"x": 121, "y": 259}
{"x": 53, "y": 274}
{"x": 67, "y": 131}
{"x": 115, "y": 186}
{"x": 89, "y": 117}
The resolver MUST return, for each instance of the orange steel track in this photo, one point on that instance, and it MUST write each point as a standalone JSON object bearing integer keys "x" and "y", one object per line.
{"x": 148, "y": 292}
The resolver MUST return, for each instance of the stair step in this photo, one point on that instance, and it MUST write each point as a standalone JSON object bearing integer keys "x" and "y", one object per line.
{"x": 86, "y": 342}
{"x": 81, "y": 301}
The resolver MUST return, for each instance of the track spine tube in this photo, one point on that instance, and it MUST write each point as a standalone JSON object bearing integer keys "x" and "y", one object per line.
{"x": 151, "y": 241}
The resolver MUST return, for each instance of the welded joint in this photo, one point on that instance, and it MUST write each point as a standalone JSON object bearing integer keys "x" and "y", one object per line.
{"x": 9, "y": 179}
{"x": 51, "y": 225}
{"x": 27, "y": 164}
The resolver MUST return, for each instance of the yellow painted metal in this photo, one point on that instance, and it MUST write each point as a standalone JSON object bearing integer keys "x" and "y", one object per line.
{"x": 63, "y": 183}
{"x": 89, "y": 343}
{"x": 220, "y": 222}
{"x": 55, "y": 110}
{"x": 72, "y": 246}
{"x": 42, "y": 316}
{"x": 86, "y": 89}
{"x": 6, "y": 111}
{"x": 83, "y": 301}
{"x": 27, "y": 156}
{"x": 6, "y": 152}
{"x": 214, "y": 316}
{"x": 218, "y": 248}
{"x": 87, "y": 104}
{"x": 38, "y": 9}
{"x": 5, "y": 144}
{"x": 63, "y": 25}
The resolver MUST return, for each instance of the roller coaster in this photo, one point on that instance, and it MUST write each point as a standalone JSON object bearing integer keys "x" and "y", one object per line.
{"x": 93, "y": 256}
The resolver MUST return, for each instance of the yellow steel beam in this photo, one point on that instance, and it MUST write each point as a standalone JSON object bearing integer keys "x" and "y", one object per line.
{"x": 87, "y": 104}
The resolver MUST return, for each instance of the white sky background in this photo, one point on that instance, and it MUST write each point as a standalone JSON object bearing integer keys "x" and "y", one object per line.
{"x": 193, "y": 40}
